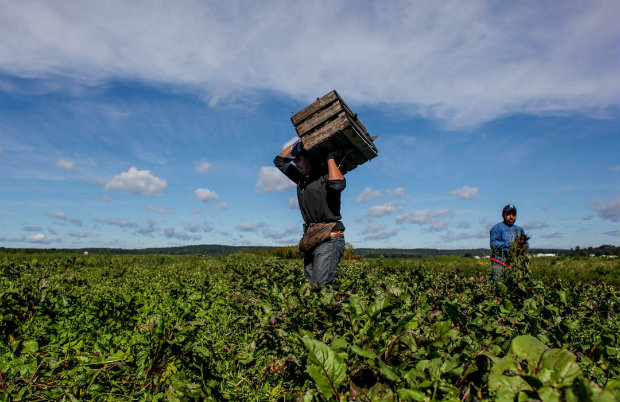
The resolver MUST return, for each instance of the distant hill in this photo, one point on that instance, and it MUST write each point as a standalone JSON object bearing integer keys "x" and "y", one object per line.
{"x": 223, "y": 250}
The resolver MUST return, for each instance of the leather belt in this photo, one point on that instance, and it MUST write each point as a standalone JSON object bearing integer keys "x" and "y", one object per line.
{"x": 337, "y": 233}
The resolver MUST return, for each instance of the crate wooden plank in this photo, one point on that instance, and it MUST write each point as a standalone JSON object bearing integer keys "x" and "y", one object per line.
{"x": 314, "y": 107}
{"x": 320, "y": 117}
{"x": 328, "y": 125}
{"x": 339, "y": 123}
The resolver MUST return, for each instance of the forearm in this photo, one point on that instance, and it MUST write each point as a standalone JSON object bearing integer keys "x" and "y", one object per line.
{"x": 286, "y": 151}
{"x": 333, "y": 170}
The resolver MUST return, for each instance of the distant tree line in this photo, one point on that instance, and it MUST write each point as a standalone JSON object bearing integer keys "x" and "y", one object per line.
{"x": 291, "y": 251}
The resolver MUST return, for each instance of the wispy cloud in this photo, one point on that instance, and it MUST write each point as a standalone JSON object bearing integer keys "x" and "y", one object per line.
{"x": 66, "y": 165}
{"x": 206, "y": 195}
{"x": 40, "y": 238}
{"x": 451, "y": 236}
{"x": 466, "y": 193}
{"x": 203, "y": 167}
{"x": 292, "y": 202}
{"x": 270, "y": 179}
{"x": 157, "y": 209}
{"x": 171, "y": 233}
{"x": 199, "y": 227}
{"x": 150, "y": 228}
{"x": 398, "y": 192}
{"x": 137, "y": 182}
{"x": 535, "y": 225}
{"x": 250, "y": 226}
{"x": 385, "y": 209}
{"x": 123, "y": 223}
{"x": 510, "y": 59}
{"x": 368, "y": 194}
{"x": 464, "y": 224}
{"x": 608, "y": 210}
{"x": 58, "y": 215}
{"x": 431, "y": 219}
{"x": 382, "y": 234}
{"x": 222, "y": 206}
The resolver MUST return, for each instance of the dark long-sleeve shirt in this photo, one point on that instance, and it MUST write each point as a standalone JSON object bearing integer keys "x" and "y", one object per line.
{"x": 318, "y": 197}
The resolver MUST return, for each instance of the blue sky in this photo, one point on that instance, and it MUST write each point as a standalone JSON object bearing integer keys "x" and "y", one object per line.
{"x": 153, "y": 124}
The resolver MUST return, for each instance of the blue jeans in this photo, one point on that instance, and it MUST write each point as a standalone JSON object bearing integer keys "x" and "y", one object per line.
{"x": 321, "y": 262}
{"x": 497, "y": 272}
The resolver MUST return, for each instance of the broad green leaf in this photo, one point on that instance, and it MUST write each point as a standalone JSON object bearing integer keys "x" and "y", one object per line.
{"x": 363, "y": 352}
{"x": 31, "y": 346}
{"x": 389, "y": 372}
{"x": 411, "y": 394}
{"x": 529, "y": 348}
{"x": 563, "y": 366}
{"x": 325, "y": 367}
{"x": 549, "y": 394}
{"x": 378, "y": 306}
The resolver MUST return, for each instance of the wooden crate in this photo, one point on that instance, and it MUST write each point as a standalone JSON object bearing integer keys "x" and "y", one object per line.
{"x": 329, "y": 125}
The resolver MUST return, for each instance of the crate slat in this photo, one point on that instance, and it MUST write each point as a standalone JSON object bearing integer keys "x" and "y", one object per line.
{"x": 328, "y": 125}
{"x": 314, "y": 107}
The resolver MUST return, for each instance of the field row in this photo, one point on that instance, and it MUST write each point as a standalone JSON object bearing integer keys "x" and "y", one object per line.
{"x": 247, "y": 328}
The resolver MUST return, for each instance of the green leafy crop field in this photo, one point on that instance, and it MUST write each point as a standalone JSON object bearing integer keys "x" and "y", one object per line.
{"x": 247, "y": 328}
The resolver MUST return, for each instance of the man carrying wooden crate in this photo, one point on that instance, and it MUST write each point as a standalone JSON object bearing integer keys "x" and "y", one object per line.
{"x": 319, "y": 184}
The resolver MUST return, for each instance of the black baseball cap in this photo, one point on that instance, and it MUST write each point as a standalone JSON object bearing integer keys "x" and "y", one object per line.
{"x": 509, "y": 209}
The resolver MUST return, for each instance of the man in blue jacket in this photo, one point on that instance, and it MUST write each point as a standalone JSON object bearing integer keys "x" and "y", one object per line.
{"x": 502, "y": 234}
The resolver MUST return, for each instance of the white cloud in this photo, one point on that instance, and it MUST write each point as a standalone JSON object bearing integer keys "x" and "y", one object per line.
{"x": 615, "y": 168}
{"x": 58, "y": 215}
{"x": 203, "y": 167}
{"x": 199, "y": 227}
{"x": 373, "y": 227}
{"x": 464, "y": 224}
{"x": 432, "y": 219}
{"x": 157, "y": 209}
{"x": 385, "y": 209}
{"x": 40, "y": 238}
{"x": 450, "y": 236}
{"x": 32, "y": 228}
{"x": 270, "y": 179}
{"x": 79, "y": 235}
{"x": 398, "y": 192}
{"x": 123, "y": 223}
{"x": 511, "y": 59}
{"x": 137, "y": 182}
{"x": 552, "y": 235}
{"x": 150, "y": 228}
{"x": 290, "y": 142}
{"x": 535, "y": 225}
{"x": 250, "y": 227}
{"x": 382, "y": 235}
{"x": 206, "y": 195}
{"x": 66, "y": 165}
{"x": 222, "y": 206}
{"x": 76, "y": 221}
{"x": 368, "y": 194}
{"x": 466, "y": 193}
{"x": 292, "y": 202}
{"x": 608, "y": 210}
{"x": 171, "y": 233}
